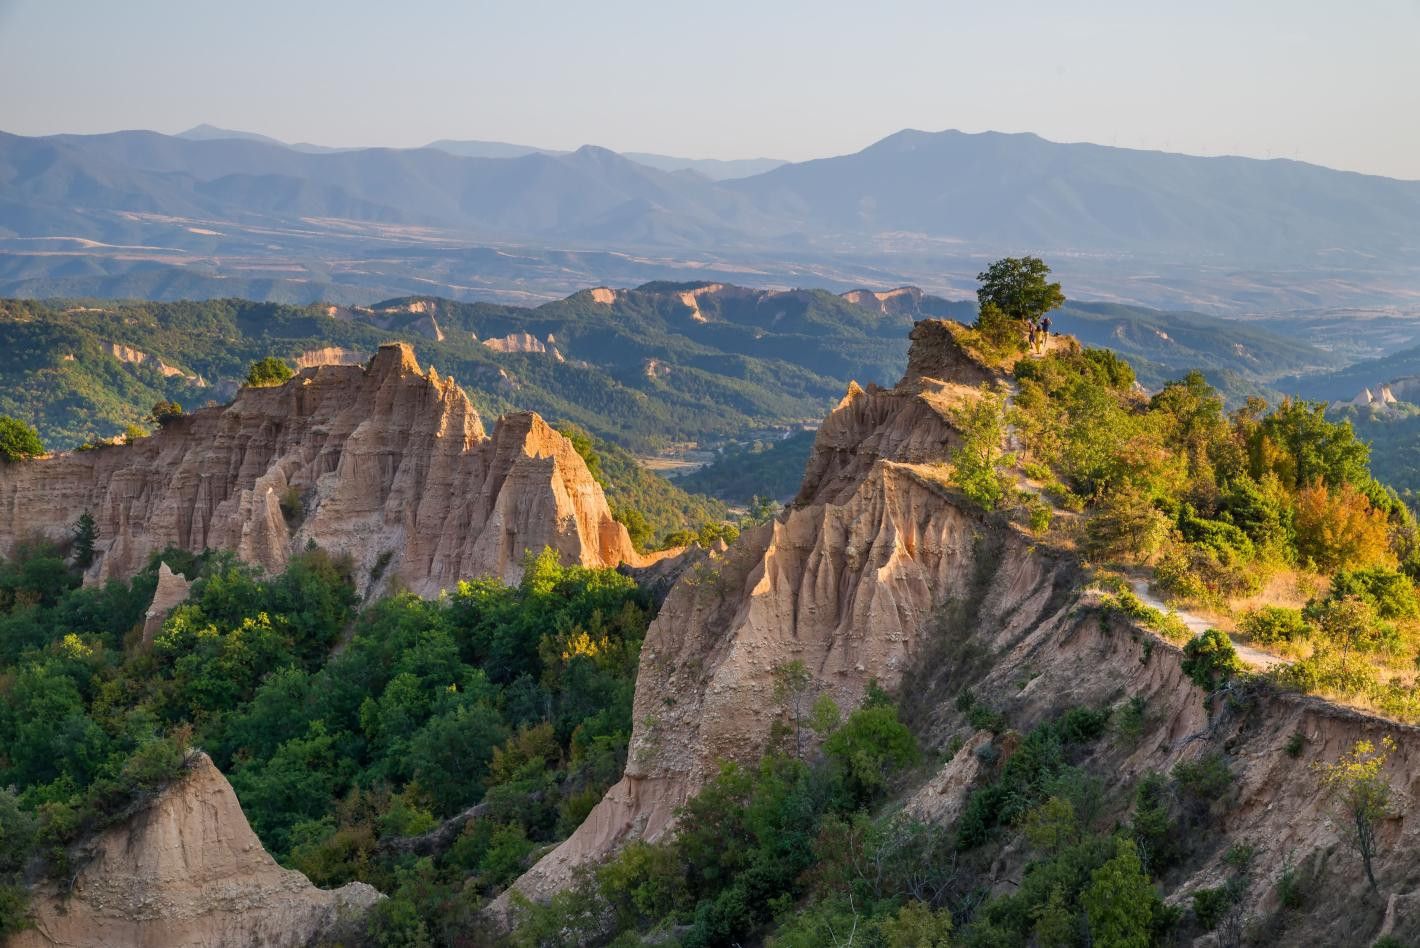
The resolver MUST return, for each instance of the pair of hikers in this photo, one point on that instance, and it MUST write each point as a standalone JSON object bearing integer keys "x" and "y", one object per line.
{"x": 1039, "y": 334}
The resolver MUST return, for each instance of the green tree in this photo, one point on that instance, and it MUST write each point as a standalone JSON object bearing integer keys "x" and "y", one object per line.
{"x": 869, "y": 747}
{"x": 1210, "y": 660}
{"x": 267, "y": 372}
{"x": 1120, "y": 901}
{"x": 165, "y": 412}
{"x": 791, "y": 689}
{"x": 761, "y": 511}
{"x": 1018, "y": 287}
{"x": 976, "y": 463}
{"x": 18, "y": 441}
{"x": 1361, "y": 794}
{"x": 86, "y": 533}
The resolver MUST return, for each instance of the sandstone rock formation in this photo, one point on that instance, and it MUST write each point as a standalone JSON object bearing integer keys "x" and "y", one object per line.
{"x": 382, "y": 462}
{"x": 525, "y": 342}
{"x": 172, "y": 589}
{"x": 136, "y": 357}
{"x": 880, "y": 570}
{"x": 187, "y": 870}
{"x": 330, "y": 355}
{"x": 844, "y": 582}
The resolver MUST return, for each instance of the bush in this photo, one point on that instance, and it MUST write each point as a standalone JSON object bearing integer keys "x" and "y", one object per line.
{"x": 1209, "y": 906}
{"x": 268, "y": 372}
{"x": 165, "y": 413}
{"x": 18, "y": 441}
{"x": 869, "y": 747}
{"x": 1388, "y": 591}
{"x": 1274, "y": 625}
{"x": 1210, "y": 660}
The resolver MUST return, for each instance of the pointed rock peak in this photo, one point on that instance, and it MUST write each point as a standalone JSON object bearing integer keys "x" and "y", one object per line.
{"x": 854, "y": 390}
{"x": 937, "y": 353}
{"x": 394, "y": 358}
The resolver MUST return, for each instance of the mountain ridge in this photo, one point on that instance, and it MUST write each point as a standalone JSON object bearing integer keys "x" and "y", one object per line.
{"x": 988, "y": 190}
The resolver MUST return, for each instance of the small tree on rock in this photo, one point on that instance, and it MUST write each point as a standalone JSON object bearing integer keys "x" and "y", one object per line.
{"x": 165, "y": 412}
{"x": 1361, "y": 795}
{"x": 1018, "y": 287}
{"x": 268, "y": 372}
{"x": 982, "y": 423}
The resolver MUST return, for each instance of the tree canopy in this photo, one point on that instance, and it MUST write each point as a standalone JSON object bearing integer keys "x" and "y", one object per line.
{"x": 18, "y": 440}
{"x": 1018, "y": 288}
{"x": 267, "y": 372}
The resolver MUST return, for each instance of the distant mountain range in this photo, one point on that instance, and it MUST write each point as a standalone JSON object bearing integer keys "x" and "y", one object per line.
{"x": 716, "y": 169}
{"x": 172, "y": 205}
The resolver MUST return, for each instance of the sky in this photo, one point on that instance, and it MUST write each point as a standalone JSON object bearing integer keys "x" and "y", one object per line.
{"x": 1327, "y": 82}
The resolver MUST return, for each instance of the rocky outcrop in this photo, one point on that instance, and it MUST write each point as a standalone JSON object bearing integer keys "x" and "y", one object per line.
{"x": 330, "y": 355}
{"x": 136, "y": 357}
{"x": 903, "y": 301}
{"x": 171, "y": 591}
{"x": 382, "y": 462}
{"x": 845, "y": 582}
{"x": 881, "y": 571}
{"x": 525, "y": 342}
{"x": 187, "y": 870}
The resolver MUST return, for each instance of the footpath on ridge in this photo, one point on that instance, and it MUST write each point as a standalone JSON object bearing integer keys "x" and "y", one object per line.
{"x": 1196, "y": 624}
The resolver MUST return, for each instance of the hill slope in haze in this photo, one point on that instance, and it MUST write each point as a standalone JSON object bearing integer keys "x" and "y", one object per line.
{"x": 1020, "y": 190}
{"x": 984, "y": 192}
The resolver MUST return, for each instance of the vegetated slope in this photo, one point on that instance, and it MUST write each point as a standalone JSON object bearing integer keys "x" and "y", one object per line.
{"x": 742, "y": 472}
{"x": 642, "y": 367}
{"x": 383, "y": 463}
{"x": 1346, "y": 383}
{"x": 1239, "y": 358}
{"x": 886, "y": 571}
{"x": 1394, "y": 437}
{"x": 348, "y": 734}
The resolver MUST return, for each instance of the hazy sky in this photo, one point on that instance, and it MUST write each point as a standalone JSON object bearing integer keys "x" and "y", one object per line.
{"x": 1329, "y": 82}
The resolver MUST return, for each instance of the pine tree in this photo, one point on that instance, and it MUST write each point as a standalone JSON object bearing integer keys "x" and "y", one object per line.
{"x": 86, "y": 532}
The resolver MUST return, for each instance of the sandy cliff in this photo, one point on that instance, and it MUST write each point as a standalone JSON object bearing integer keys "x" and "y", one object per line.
{"x": 381, "y": 461}
{"x": 881, "y": 571}
{"x": 845, "y": 582}
{"x": 187, "y": 872}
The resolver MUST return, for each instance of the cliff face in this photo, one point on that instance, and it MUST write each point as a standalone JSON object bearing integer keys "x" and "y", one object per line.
{"x": 380, "y": 461}
{"x": 880, "y": 571}
{"x": 187, "y": 870}
{"x": 846, "y": 582}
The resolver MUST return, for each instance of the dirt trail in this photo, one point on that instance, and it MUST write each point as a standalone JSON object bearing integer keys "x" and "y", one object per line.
{"x": 1195, "y": 623}
{"x": 1198, "y": 625}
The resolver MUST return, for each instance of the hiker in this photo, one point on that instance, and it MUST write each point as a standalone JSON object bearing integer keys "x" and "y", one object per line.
{"x": 1032, "y": 337}
{"x": 1045, "y": 331}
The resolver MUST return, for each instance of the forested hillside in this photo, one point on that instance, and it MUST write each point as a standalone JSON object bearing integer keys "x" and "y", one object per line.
{"x": 641, "y": 367}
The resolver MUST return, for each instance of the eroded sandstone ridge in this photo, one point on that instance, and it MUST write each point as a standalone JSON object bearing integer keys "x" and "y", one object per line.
{"x": 882, "y": 571}
{"x": 845, "y": 582}
{"x": 187, "y": 871}
{"x": 381, "y": 461}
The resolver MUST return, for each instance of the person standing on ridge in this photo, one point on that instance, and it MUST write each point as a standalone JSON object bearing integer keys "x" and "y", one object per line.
{"x": 1019, "y": 288}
